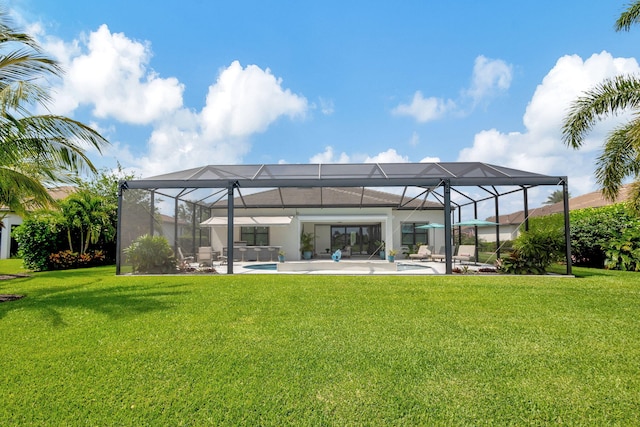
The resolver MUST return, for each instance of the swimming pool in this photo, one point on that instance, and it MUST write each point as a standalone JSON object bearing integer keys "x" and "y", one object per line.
{"x": 270, "y": 266}
{"x": 309, "y": 267}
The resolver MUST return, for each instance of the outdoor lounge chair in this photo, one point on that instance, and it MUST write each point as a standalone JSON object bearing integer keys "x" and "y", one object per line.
{"x": 205, "y": 255}
{"x": 183, "y": 258}
{"x": 440, "y": 256}
{"x": 423, "y": 253}
{"x": 465, "y": 253}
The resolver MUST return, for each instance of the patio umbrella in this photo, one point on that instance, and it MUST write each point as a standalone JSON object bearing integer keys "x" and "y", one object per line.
{"x": 475, "y": 222}
{"x": 431, "y": 225}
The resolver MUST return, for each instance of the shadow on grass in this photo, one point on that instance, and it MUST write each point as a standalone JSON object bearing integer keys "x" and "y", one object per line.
{"x": 112, "y": 301}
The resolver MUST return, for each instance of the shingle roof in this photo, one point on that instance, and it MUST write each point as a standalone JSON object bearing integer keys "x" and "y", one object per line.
{"x": 594, "y": 199}
{"x": 328, "y": 197}
{"x": 57, "y": 193}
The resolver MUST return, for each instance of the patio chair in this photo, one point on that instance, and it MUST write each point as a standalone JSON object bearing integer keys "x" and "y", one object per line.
{"x": 205, "y": 255}
{"x": 423, "y": 253}
{"x": 183, "y": 258}
{"x": 440, "y": 256}
{"x": 465, "y": 253}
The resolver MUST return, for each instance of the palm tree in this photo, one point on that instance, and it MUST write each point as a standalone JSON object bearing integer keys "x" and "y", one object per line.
{"x": 620, "y": 158}
{"x": 90, "y": 216}
{"x": 555, "y": 197}
{"x": 35, "y": 149}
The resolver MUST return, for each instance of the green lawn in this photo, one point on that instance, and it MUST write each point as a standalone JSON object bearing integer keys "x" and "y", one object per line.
{"x": 88, "y": 348}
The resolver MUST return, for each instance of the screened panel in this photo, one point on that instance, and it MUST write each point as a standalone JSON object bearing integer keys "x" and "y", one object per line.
{"x": 139, "y": 218}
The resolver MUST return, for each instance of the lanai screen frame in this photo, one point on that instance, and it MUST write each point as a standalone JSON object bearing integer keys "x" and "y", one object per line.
{"x": 428, "y": 176}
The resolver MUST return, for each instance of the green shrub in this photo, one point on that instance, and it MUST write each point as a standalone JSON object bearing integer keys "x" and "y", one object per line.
{"x": 516, "y": 263}
{"x": 151, "y": 254}
{"x": 593, "y": 228}
{"x": 38, "y": 236}
{"x": 623, "y": 253}
{"x": 534, "y": 252}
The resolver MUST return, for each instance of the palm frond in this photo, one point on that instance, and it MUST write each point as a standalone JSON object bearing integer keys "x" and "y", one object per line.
{"x": 23, "y": 64}
{"x": 20, "y": 96}
{"x": 634, "y": 196}
{"x": 34, "y": 149}
{"x": 609, "y": 97}
{"x": 20, "y": 192}
{"x": 55, "y": 140}
{"x": 618, "y": 160}
{"x": 9, "y": 34}
{"x": 629, "y": 17}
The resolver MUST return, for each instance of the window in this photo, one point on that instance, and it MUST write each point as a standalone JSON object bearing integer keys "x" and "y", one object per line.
{"x": 412, "y": 235}
{"x": 255, "y": 236}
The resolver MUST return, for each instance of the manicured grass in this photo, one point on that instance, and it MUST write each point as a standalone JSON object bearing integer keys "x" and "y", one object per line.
{"x": 88, "y": 348}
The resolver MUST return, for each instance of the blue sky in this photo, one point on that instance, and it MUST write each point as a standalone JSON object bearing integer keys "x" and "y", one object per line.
{"x": 175, "y": 85}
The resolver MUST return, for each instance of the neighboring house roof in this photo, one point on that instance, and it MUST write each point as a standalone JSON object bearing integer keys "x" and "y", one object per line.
{"x": 328, "y": 197}
{"x": 57, "y": 193}
{"x": 171, "y": 220}
{"x": 594, "y": 199}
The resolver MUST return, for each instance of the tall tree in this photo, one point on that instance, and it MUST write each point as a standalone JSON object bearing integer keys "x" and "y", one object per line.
{"x": 555, "y": 197}
{"x": 36, "y": 149}
{"x": 90, "y": 217}
{"x": 620, "y": 157}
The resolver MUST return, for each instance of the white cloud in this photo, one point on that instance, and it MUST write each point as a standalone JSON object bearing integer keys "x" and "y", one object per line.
{"x": 247, "y": 100}
{"x": 110, "y": 72}
{"x": 326, "y": 106}
{"x": 415, "y": 139}
{"x": 425, "y": 109}
{"x": 430, "y": 160}
{"x": 242, "y": 102}
{"x": 329, "y": 156}
{"x": 389, "y": 156}
{"x": 540, "y": 148}
{"x": 490, "y": 77}
{"x": 414, "y": 142}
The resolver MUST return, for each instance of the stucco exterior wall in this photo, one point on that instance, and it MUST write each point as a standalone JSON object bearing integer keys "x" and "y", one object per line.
{"x": 9, "y": 221}
{"x": 319, "y": 221}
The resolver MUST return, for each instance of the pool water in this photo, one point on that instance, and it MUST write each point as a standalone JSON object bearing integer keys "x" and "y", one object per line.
{"x": 261, "y": 267}
{"x": 404, "y": 267}
{"x": 274, "y": 267}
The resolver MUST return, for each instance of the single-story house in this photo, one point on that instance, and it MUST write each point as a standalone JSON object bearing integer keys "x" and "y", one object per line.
{"x": 341, "y": 205}
{"x": 511, "y": 224}
{"x": 354, "y": 220}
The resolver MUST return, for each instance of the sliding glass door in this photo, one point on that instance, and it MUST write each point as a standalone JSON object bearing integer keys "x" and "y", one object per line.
{"x": 361, "y": 238}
